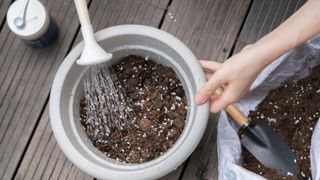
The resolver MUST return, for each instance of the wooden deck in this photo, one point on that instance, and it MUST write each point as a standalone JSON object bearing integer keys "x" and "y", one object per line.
{"x": 213, "y": 29}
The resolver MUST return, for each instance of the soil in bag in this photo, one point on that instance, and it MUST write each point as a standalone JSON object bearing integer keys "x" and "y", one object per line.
{"x": 293, "y": 111}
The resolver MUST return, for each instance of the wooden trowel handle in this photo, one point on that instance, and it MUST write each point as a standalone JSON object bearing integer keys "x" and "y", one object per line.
{"x": 236, "y": 114}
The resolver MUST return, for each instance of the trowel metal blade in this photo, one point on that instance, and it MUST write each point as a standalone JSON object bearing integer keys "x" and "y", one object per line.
{"x": 268, "y": 148}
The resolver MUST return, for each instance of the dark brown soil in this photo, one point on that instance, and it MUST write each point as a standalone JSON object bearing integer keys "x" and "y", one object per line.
{"x": 292, "y": 110}
{"x": 157, "y": 97}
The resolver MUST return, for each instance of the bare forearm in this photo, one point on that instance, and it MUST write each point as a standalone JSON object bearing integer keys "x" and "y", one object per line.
{"x": 300, "y": 27}
{"x": 239, "y": 71}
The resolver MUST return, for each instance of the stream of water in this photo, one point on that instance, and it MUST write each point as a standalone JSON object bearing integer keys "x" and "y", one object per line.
{"x": 106, "y": 103}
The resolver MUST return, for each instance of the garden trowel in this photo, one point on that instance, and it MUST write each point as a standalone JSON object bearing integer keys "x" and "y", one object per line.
{"x": 262, "y": 142}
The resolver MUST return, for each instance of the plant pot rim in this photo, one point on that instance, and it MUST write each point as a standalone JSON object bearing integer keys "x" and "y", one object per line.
{"x": 151, "y": 169}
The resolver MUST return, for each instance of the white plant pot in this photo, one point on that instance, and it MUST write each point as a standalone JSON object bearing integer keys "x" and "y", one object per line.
{"x": 66, "y": 93}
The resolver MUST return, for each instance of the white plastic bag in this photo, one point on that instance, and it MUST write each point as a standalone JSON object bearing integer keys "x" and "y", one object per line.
{"x": 295, "y": 64}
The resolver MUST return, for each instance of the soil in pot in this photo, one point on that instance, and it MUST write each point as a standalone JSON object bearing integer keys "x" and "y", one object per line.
{"x": 154, "y": 94}
{"x": 293, "y": 111}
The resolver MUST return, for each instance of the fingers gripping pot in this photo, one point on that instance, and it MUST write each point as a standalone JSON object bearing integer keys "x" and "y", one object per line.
{"x": 66, "y": 93}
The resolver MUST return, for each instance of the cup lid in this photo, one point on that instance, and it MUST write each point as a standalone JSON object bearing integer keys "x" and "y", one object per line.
{"x": 36, "y": 19}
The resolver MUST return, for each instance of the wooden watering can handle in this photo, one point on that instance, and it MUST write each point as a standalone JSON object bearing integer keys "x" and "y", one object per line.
{"x": 236, "y": 114}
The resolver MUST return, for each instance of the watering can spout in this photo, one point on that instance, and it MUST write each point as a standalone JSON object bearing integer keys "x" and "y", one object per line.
{"x": 92, "y": 52}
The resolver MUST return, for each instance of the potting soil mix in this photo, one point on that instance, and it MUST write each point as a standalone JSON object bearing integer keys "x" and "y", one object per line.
{"x": 292, "y": 110}
{"x": 139, "y": 116}
{"x": 286, "y": 95}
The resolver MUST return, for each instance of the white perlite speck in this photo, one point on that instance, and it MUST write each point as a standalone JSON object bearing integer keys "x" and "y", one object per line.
{"x": 289, "y": 174}
{"x": 272, "y": 120}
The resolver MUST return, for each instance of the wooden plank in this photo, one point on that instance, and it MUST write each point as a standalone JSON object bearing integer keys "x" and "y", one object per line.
{"x": 263, "y": 17}
{"x": 4, "y": 5}
{"x": 162, "y": 4}
{"x": 209, "y": 28}
{"x": 26, "y": 77}
{"x": 43, "y": 158}
{"x": 203, "y": 162}
{"x": 111, "y": 12}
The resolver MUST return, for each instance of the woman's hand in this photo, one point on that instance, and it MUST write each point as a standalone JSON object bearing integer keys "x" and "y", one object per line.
{"x": 235, "y": 75}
